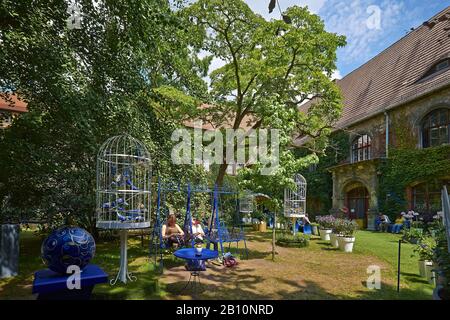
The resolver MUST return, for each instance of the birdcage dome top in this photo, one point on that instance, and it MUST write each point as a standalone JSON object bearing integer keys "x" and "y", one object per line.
{"x": 124, "y": 146}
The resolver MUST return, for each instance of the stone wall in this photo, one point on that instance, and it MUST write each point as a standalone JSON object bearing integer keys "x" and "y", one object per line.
{"x": 404, "y": 130}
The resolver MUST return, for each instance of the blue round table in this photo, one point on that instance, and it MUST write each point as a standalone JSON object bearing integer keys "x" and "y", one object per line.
{"x": 190, "y": 254}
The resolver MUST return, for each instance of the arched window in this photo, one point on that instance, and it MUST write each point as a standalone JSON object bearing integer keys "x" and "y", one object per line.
{"x": 436, "y": 128}
{"x": 361, "y": 148}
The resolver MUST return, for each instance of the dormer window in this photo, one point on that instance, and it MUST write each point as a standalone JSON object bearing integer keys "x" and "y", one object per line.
{"x": 437, "y": 68}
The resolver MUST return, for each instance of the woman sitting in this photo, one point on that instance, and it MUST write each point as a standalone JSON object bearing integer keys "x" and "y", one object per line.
{"x": 172, "y": 233}
{"x": 398, "y": 224}
{"x": 197, "y": 230}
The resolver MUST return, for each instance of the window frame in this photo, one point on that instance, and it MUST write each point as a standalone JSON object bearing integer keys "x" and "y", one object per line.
{"x": 429, "y": 127}
{"x": 362, "y": 152}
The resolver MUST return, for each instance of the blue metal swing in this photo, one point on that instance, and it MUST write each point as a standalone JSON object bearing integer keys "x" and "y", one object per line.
{"x": 218, "y": 232}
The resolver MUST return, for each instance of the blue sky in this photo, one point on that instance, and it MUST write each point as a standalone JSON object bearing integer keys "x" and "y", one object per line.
{"x": 357, "y": 20}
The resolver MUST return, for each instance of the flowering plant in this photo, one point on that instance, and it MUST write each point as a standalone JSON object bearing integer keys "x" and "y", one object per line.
{"x": 326, "y": 222}
{"x": 348, "y": 227}
{"x": 425, "y": 248}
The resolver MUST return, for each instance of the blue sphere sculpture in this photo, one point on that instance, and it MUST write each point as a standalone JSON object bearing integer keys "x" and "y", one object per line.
{"x": 67, "y": 246}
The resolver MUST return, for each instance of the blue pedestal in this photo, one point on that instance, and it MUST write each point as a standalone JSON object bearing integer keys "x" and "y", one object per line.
{"x": 50, "y": 285}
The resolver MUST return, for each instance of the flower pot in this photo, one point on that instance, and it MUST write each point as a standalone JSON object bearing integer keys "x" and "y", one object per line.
{"x": 346, "y": 243}
{"x": 315, "y": 230}
{"x": 422, "y": 264}
{"x": 429, "y": 273}
{"x": 334, "y": 240}
{"x": 262, "y": 227}
{"x": 325, "y": 234}
{"x": 198, "y": 251}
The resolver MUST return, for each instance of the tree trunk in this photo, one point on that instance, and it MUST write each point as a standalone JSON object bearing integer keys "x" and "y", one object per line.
{"x": 273, "y": 235}
{"x": 221, "y": 174}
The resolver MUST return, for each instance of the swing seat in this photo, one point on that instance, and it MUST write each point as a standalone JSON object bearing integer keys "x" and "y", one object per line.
{"x": 307, "y": 229}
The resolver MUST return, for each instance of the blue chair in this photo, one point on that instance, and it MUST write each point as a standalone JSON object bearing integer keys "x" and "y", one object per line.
{"x": 307, "y": 229}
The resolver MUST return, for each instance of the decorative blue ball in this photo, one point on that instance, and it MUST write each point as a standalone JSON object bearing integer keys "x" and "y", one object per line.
{"x": 67, "y": 246}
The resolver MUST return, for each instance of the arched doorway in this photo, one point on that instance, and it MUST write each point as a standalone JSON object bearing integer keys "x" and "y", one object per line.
{"x": 357, "y": 201}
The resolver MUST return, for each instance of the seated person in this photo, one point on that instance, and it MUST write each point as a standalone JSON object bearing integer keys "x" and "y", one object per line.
{"x": 306, "y": 219}
{"x": 384, "y": 222}
{"x": 171, "y": 232}
{"x": 398, "y": 224}
{"x": 197, "y": 230}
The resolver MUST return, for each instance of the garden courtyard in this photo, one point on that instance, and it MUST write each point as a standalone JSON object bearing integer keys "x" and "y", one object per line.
{"x": 314, "y": 272}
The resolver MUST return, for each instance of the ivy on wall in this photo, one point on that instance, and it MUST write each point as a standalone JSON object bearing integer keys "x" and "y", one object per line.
{"x": 319, "y": 179}
{"x": 407, "y": 166}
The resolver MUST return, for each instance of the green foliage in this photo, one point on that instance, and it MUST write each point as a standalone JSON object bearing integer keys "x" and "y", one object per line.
{"x": 270, "y": 68}
{"x": 412, "y": 235}
{"x": 122, "y": 71}
{"x": 425, "y": 248}
{"x": 298, "y": 240}
{"x": 407, "y": 166}
{"x": 319, "y": 179}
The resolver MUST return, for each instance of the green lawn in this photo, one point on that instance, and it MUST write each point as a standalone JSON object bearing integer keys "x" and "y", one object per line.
{"x": 314, "y": 272}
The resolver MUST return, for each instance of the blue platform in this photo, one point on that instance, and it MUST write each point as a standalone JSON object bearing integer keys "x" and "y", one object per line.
{"x": 50, "y": 285}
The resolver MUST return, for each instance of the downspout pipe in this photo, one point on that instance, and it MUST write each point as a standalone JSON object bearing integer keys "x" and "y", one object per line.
{"x": 386, "y": 117}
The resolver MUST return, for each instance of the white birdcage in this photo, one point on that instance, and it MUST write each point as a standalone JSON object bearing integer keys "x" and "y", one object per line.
{"x": 295, "y": 200}
{"x": 246, "y": 203}
{"x": 124, "y": 174}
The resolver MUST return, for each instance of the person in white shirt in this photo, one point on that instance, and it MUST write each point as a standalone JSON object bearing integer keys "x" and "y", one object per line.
{"x": 197, "y": 230}
{"x": 384, "y": 222}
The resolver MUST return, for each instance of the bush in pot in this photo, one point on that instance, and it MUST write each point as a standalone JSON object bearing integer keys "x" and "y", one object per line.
{"x": 346, "y": 241}
{"x": 336, "y": 232}
{"x": 425, "y": 249}
{"x": 325, "y": 226}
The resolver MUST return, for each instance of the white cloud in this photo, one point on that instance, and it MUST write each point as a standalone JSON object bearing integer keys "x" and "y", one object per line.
{"x": 336, "y": 75}
{"x": 355, "y": 21}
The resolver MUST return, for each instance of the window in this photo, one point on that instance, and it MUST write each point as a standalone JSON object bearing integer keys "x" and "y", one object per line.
{"x": 437, "y": 68}
{"x": 361, "y": 148}
{"x": 436, "y": 128}
{"x": 427, "y": 196}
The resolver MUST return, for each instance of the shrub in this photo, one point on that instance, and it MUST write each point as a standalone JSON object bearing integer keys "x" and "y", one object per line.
{"x": 289, "y": 240}
{"x": 348, "y": 227}
{"x": 326, "y": 222}
{"x": 425, "y": 249}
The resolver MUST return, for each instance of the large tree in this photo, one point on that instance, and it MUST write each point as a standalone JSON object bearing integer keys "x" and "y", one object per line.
{"x": 270, "y": 69}
{"x": 115, "y": 72}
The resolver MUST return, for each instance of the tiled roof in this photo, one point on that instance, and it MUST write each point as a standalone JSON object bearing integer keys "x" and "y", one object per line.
{"x": 16, "y": 105}
{"x": 392, "y": 77}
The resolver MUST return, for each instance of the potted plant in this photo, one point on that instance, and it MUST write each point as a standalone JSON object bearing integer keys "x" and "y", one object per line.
{"x": 198, "y": 245}
{"x": 346, "y": 241}
{"x": 315, "y": 228}
{"x": 425, "y": 249}
{"x": 336, "y": 232}
{"x": 325, "y": 226}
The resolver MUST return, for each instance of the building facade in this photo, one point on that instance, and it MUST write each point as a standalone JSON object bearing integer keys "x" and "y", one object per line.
{"x": 398, "y": 99}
